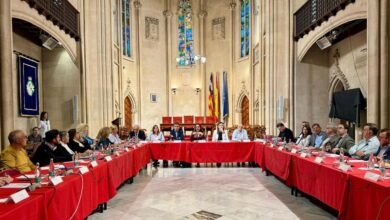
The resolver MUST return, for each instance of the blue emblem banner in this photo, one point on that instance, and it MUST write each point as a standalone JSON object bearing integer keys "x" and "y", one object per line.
{"x": 28, "y": 87}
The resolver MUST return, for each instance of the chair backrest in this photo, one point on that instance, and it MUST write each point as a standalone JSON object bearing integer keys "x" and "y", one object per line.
{"x": 188, "y": 119}
{"x": 178, "y": 119}
{"x": 210, "y": 119}
{"x": 199, "y": 119}
{"x": 167, "y": 120}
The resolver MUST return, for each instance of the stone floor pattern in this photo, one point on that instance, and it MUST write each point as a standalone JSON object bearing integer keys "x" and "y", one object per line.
{"x": 208, "y": 194}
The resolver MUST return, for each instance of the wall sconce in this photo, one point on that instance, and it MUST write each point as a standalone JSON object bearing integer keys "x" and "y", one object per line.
{"x": 174, "y": 91}
{"x": 197, "y": 90}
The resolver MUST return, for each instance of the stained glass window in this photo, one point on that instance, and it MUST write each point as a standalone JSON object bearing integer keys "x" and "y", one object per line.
{"x": 115, "y": 20}
{"x": 185, "y": 43}
{"x": 126, "y": 28}
{"x": 245, "y": 13}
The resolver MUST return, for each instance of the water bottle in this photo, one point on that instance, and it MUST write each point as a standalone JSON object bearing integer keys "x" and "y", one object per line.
{"x": 37, "y": 177}
{"x": 341, "y": 155}
{"x": 75, "y": 159}
{"x": 382, "y": 169}
{"x": 51, "y": 168}
{"x": 370, "y": 162}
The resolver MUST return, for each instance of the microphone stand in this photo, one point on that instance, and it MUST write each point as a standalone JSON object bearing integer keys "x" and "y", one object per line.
{"x": 32, "y": 186}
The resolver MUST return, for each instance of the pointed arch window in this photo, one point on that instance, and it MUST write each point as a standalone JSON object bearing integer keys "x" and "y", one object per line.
{"x": 185, "y": 41}
{"x": 126, "y": 28}
{"x": 244, "y": 33}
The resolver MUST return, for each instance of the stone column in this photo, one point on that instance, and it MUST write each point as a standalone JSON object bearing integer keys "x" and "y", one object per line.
{"x": 203, "y": 93}
{"x": 233, "y": 5}
{"x": 384, "y": 65}
{"x": 7, "y": 114}
{"x": 373, "y": 60}
{"x": 137, "y": 7}
{"x": 168, "y": 24}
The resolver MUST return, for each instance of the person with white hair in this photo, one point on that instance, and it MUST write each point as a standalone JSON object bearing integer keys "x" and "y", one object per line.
{"x": 137, "y": 133}
{"x": 240, "y": 134}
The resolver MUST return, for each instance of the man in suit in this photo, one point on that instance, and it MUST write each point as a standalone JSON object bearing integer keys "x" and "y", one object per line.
{"x": 384, "y": 150}
{"x": 137, "y": 133}
{"x": 345, "y": 142}
{"x": 330, "y": 142}
{"x": 51, "y": 148}
{"x": 176, "y": 133}
{"x": 317, "y": 137}
{"x": 368, "y": 145}
{"x": 285, "y": 133}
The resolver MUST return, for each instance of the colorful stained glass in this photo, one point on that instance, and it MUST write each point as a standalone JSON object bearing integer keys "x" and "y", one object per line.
{"x": 185, "y": 40}
{"x": 126, "y": 27}
{"x": 244, "y": 34}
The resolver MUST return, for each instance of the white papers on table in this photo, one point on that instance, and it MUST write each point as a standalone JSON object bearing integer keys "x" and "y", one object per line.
{"x": 56, "y": 166}
{"x": 5, "y": 200}
{"x": 332, "y": 155}
{"x": 26, "y": 177}
{"x": 16, "y": 186}
{"x": 355, "y": 161}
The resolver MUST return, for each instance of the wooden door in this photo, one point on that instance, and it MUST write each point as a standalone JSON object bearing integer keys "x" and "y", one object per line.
{"x": 245, "y": 111}
{"x": 128, "y": 114}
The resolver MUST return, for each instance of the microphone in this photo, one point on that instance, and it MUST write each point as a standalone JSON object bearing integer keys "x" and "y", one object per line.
{"x": 32, "y": 186}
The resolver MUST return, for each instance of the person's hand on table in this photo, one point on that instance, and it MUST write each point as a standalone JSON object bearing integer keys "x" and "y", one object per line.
{"x": 334, "y": 150}
{"x": 311, "y": 148}
{"x": 360, "y": 153}
{"x": 5, "y": 180}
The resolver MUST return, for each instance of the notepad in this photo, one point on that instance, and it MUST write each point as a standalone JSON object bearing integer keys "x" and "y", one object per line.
{"x": 16, "y": 186}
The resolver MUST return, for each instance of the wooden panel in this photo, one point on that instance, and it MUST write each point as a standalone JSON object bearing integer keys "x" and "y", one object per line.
{"x": 128, "y": 114}
{"x": 245, "y": 111}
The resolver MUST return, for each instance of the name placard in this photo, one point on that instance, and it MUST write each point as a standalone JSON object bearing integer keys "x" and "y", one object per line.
{"x": 280, "y": 148}
{"x": 108, "y": 158}
{"x": 177, "y": 141}
{"x": 94, "y": 164}
{"x": 127, "y": 149}
{"x": 372, "y": 176}
{"x": 246, "y": 141}
{"x": 19, "y": 196}
{"x": 294, "y": 151}
{"x": 56, "y": 180}
{"x": 117, "y": 153}
{"x": 344, "y": 167}
{"x": 83, "y": 169}
{"x": 318, "y": 159}
{"x": 303, "y": 155}
{"x": 202, "y": 141}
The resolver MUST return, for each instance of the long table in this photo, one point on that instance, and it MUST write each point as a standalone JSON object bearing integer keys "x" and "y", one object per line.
{"x": 353, "y": 196}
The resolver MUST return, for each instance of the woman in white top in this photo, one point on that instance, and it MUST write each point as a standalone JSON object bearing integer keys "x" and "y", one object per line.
{"x": 156, "y": 135}
{"x": 114, "y": 137}
{"x": 220, "y": 134}
{"x": 304, "y": 141}
{"x": 44, "y": 124}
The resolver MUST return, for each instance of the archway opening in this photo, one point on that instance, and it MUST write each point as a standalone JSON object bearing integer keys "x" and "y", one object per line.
{"x": 245, "y": 111}
{"x": 128, "y": 113}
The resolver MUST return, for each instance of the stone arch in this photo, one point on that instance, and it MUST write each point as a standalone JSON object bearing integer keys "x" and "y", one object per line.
{"x": 244, "y": 93}
{"x": 21, "y": 10}
{"x": 355, "y": 11}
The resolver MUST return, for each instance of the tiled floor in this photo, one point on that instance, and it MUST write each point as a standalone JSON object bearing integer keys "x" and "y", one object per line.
{"x": 233, "y": 193}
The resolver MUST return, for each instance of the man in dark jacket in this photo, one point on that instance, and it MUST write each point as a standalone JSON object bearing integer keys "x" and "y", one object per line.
{"x": 137, "y": 133}
{"x": 285, "y": 133}
{"x": 384, "y": 150}
{"x": 51, "y": 148}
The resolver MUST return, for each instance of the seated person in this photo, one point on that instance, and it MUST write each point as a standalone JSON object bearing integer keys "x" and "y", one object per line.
{"x": 304, "y": 140}
{"x": 285, "y": 133}
{"x": 176, "y": 133}
{"x": 137, "y": 133}
{"x": 304, "y": 123}
{"x": 345, "y": 142}
{"x": 123, "y": 133}
{"x": 113, "y": 136}
{"x": 156, "y": 134}
{"x": 240, "y": 134}
{"x": 102, "y": 137}
{"x": 368, "y": 145}
{"x": 317, "y": 137}
{"x": 220, "y": 134}
{"x": 197, "y": 134}
{"x": 83, "y": 129}
{"x": 330, "y": 142}
{"x": 75, "y": 143}
{"x": 65, "y": 141}
{"x": 50, "y": 149}
{"x": 4, "y": 180}
{"x": 15, "y": 156}
{"x": 384, "y": 150}
{"x": 33, "y": 141}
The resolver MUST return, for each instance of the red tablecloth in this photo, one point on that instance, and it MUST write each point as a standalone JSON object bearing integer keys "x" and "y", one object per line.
{"x": 277, "y": 162}
{"x": 31, "y": 208}
{"x": 367, "y": 199}
{"x": 170, "y": 151}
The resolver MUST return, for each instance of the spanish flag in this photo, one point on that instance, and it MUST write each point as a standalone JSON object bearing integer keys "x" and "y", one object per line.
{"x": 217, "y": 98}
{"x": 211, "y": 97}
